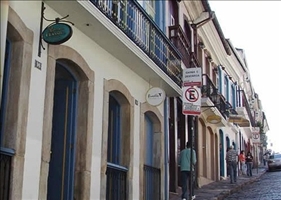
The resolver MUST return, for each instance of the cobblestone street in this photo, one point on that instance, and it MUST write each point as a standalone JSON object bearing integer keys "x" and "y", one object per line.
{"x": 267, "y": 187}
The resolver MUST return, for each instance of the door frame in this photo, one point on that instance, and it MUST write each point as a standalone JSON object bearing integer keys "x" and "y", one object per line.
{"x": 70, "y": 131}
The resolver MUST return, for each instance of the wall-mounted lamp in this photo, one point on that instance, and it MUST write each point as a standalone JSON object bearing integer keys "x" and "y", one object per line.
{"x": 215, "y": 98}
{"x": 201, "y": 45}
{"x": 209, "y": 58}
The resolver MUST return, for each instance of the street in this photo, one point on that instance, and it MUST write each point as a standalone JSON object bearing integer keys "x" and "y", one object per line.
{"x": 267, "y": 187}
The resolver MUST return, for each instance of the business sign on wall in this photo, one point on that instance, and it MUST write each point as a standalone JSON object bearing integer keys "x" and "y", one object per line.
{"x": 155, "y": 96}
{"x": 191, "y": 91}
{"x": 57, "y": 33}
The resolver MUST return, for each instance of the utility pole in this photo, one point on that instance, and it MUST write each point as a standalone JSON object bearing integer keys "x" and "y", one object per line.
{"x": 191, "y": 181}
{"x": 204, "y": 18}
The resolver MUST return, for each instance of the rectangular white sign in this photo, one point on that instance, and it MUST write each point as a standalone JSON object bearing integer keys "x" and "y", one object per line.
{"x": 192, "y": 76}
{"x": 256, "y": 135}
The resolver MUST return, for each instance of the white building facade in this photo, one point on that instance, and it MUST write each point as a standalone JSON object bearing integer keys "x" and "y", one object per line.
{"x": 77, "y": 116}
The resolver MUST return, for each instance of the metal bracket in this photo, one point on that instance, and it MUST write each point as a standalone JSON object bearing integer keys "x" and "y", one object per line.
{"x": 54, "y": 21}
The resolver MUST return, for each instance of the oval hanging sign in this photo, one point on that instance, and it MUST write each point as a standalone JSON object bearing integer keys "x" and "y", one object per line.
{"x": 57, "y": 33}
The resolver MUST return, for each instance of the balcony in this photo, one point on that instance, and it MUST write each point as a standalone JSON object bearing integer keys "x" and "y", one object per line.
{"x": 152, "y": 183}
{"x": 127, "y": 32}
{"x": 6, "y": 156}
{"x": 133, "y": 20}
{"x": 243, "y": 107}
{"x": 209, "y": 90}
{"x": 180, "y": 40}
{"x": 116, "y": 179}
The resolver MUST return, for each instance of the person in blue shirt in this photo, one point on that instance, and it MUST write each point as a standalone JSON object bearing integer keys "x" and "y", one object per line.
{"x": 185, "y": 167}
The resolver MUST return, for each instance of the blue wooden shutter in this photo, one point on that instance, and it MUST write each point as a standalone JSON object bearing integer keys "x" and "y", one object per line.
{"x": 149, "y": 141}
{"x": 220, "y": 81}
{"x": 6, "y": 74}
{"x": 114, "y": 135}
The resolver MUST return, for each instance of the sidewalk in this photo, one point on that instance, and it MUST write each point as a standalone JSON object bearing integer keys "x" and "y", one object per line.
{"x": 221, "y": 189}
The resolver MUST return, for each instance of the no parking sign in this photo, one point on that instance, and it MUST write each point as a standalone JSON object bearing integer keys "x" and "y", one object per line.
{"x": 191, "y": 100}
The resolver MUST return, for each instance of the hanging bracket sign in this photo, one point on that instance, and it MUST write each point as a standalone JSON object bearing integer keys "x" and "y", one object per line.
{"x": 57, "y": 33}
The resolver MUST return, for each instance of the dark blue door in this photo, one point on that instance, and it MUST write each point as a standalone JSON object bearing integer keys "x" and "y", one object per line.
{"x": 149, "y": 175}
{"x": 61, "y": 168}
{"x": 6, "y": 75}
{"x": 222, "y": 161}
{"x": 227, "y": 142}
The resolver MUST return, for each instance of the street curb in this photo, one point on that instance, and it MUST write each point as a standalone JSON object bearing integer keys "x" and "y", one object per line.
{"x": 225, "y": 194}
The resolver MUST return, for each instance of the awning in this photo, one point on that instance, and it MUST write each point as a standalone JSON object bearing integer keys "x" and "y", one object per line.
{"x": 240, "y": 120}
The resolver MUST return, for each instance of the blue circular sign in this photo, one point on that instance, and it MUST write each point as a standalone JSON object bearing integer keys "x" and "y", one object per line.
{"x": 57, "y": 33}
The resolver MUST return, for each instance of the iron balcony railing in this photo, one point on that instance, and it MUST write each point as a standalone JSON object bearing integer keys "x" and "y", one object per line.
{"x": 6, "y": 156}
{"x": 180, "y": 40}
{"x": 210, "y": 90}
{"x": 243, "y": 102}
{"x": 152, "y": 178}
{"x": 133, "y": 20}
{"x": 116, "y": 179}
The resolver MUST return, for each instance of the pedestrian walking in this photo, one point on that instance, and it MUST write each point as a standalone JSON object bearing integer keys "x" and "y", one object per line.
{"x": 249, "y": 163}
{"x": 232, "y": 160}
{"x": 265, "y": 158}
{"x": 242, "y": 161}
{"x": 185, "y": 167}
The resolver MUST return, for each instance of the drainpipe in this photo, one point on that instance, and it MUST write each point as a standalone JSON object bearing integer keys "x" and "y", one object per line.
{"x": 166, "y": 148}
{"x": 4, "y": 23}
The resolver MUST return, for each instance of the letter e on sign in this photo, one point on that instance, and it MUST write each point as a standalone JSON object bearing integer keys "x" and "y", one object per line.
{"x": 191, "y": 95}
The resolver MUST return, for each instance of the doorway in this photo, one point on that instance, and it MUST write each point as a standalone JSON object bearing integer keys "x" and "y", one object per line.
{"x": 222, "y": 160}
{"x": 227, "y": 142}
{"x": 62, "y": 158}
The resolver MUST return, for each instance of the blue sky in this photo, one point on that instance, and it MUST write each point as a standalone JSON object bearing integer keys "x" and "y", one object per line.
{"x": 255, "y": 26}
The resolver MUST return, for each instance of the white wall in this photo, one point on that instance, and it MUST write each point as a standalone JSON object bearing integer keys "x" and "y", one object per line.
{"x": 105, "y": 66}
{"x": 29, "y": 12}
